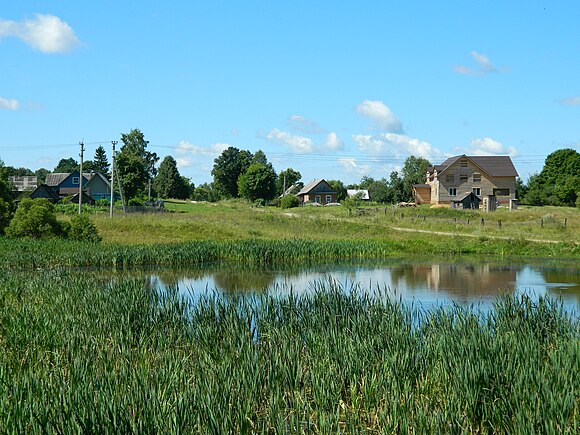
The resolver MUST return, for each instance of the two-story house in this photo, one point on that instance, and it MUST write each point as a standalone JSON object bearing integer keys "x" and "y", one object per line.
{"x": 464, "y": 177}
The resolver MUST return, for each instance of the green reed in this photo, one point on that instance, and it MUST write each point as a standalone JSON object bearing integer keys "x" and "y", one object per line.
{"x": 22, "y": 253}
{"x": 82, "y": 354}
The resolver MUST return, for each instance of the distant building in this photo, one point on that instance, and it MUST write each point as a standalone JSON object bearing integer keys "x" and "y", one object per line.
{"x": 23, "y": 183}
{"x": 317, "y": 191}
{"x": 95, "y": 184}
{"x": 364, "y": 194}
{"x": 452, "y": 181}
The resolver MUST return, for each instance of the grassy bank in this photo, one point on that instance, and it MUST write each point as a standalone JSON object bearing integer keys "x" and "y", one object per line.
{"x": 116, "y": 357}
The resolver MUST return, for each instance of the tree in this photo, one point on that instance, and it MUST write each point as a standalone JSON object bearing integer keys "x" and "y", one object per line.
{"x": 259, "y": 181}
{"x": 558, "y": 182}
{"x": 41, "y": 175}
{"x": 67, "y": 165}
{"x": 286, "y": 179}
{"x": 168, "y": 183}
{"x": 6, "y": 200}
{"x": 379, "y": 190}
{"x": 396, "y": 187}
{"x": 352, "y": 202}
{"x": 413, "y": 172}
{"x": 35, "y": 218}
{"x": 100, "y": 161}
{"x": 135, "y": 164}
{"x": 205, "y": 192}
{"x": 289, "y": 201}
{"x": 338, "y": 187}
{"x": 227, "y": 169}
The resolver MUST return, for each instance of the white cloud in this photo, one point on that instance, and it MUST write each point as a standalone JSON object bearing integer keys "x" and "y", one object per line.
{"x": 487, "y": 146}
{"x": 298, "y": 144}
{"x": 45, "y": 33}
{"x": 381, "y": 114}
{"x": 571, "y": 101}
{"x": 396, "y": 145}
{"x": 484, "y": 66}
{"x": 9, "y": 104}
{"x": 301, "y": 124}
{"x": 303, "y": 144}
{"x": 189, "y": 155}
{"x": 351, "y": 166}
{"x": 333, "y": 142}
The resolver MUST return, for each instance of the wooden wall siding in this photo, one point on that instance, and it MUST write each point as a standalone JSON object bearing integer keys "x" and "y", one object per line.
{"x": 98, "y": 187}
{"x": 312, "y": 197}
{"x": 440, "y": 187}
{"x": 423, "y": 195}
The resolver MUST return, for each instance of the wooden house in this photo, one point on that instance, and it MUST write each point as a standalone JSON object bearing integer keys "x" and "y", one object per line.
{"x": 458, "y": 176}
{"x": 44, "y": 191}
{"x": 317, "y": 191}
{"x": 63, "y": 184}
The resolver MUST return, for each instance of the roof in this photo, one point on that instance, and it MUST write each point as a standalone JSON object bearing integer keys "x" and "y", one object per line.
{"x": 418, "y": 186}
{"x": 465, "y": 195}
{"x": 310, "y": 186}
{"x": 55, "y": 178}
{"x": 352, "y": 192}
{"x": 90, "y": 175}
{"x": 497, "y": 166}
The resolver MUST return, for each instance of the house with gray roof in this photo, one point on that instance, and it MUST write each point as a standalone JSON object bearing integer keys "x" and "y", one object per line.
{"x": 318, "y": 192}
{"x": 458, "y": 176}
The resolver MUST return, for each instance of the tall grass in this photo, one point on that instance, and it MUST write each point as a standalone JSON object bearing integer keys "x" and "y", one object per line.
{"x": 79, "y": 354}
{"x": 23, "y": 253}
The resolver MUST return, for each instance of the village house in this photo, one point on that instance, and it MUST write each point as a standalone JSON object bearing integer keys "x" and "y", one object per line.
{"x": 464, "y": 181}
{"x": 317, "y": 191}
{"x": 95, "y": 186}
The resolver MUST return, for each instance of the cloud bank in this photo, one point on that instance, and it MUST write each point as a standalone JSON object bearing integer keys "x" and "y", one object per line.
{"x": 46, "y": 33}
{"x": 487, "y": 146}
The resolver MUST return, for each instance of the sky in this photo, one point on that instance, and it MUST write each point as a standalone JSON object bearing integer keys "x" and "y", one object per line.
{"x": 335, "y": 90}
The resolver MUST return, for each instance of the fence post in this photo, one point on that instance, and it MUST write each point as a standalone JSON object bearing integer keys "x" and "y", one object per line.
{"x": 482, "y": 221}
{"x": 542, "y": 222}
{"x": 565, "y": 222}
{"x": 499, "y": 223}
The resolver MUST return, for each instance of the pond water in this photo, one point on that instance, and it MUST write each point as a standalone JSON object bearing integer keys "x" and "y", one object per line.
{"x": 426, "y": 282}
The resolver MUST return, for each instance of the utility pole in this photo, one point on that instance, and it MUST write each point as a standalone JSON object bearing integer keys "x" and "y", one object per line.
{"x": 284, "y": 186}
{"x": 112, "y": 188}
{"x": 81, "y": 179}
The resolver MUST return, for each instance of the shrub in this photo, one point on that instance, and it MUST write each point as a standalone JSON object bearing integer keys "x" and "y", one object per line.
{"x": 83, "y": 228}
{"x": 135, "y": 202}
{"x": 289, "y": 201}
{"x": 35, "y": 218}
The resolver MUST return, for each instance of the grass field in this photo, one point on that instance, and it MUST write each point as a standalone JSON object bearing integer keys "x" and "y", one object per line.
{"x": 85, "y": 355}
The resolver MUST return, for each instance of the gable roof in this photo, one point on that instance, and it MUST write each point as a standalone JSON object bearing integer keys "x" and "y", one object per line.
{"x": 95, "y": 175}
{"x": 310, "y": 186}
{"x": 497, "y": 166}
{"x": 56, "y": 178}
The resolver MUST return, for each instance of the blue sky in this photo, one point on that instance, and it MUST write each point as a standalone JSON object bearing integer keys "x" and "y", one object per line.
{"x": 335, "y": 90}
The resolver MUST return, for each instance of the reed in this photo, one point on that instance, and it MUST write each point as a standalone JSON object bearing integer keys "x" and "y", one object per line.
{"x": 22, "y": 253}
{"x": 86, "y": 354}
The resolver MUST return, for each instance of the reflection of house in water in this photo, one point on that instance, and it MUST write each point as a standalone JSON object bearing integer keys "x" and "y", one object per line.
{"x": 462, "y": 279}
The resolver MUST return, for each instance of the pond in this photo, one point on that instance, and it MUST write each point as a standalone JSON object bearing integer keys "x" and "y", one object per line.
{"x": 428, "y": 283}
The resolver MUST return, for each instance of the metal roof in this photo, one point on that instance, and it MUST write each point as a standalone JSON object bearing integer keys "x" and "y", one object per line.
{"x": 307, "y": 188}
{"x": 497, "y": 166}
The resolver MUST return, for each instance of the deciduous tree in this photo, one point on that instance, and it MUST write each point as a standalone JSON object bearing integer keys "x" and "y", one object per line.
{"x": 227, "y": 169}
{"x": 259, "y": 181}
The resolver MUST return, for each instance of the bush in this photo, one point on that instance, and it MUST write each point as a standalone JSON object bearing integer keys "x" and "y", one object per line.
{"x": 35, "y": 218}
{"x": 83, "y": 228}
{"x": 289, "y": 201}
{"x": 135, "y": 202}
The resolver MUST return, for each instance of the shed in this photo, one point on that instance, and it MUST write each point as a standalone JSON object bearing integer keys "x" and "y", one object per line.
{"x": 44, "y": 191}
{"x": 468, "y": 201}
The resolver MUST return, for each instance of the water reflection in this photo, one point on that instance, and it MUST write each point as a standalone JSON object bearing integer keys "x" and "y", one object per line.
{"x": 425, "y": 282}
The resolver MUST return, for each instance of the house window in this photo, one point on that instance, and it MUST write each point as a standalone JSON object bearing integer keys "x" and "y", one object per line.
{"x": 501, "y": 192}
{"x": 328, "y": 199}
{"x": 476, "y": 177}
{"x": 317, "y": 199}
{"x": 477, "y": 191}
{"x": 450, "y": 178}
{"x": 75, "y": 180}
{"x": 463, "y": 178}
{"x": 464, "y": 163}
{"x": 453, "y": 191}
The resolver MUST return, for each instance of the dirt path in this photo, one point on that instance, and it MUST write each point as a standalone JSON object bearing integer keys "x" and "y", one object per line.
{"x": 442, "y": 233}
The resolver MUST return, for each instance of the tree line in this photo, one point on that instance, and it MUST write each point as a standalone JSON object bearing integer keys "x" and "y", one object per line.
{"x": 242, "y": 174}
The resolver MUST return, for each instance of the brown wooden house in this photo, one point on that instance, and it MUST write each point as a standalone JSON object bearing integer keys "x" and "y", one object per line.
{"x": 317, "y": 191}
